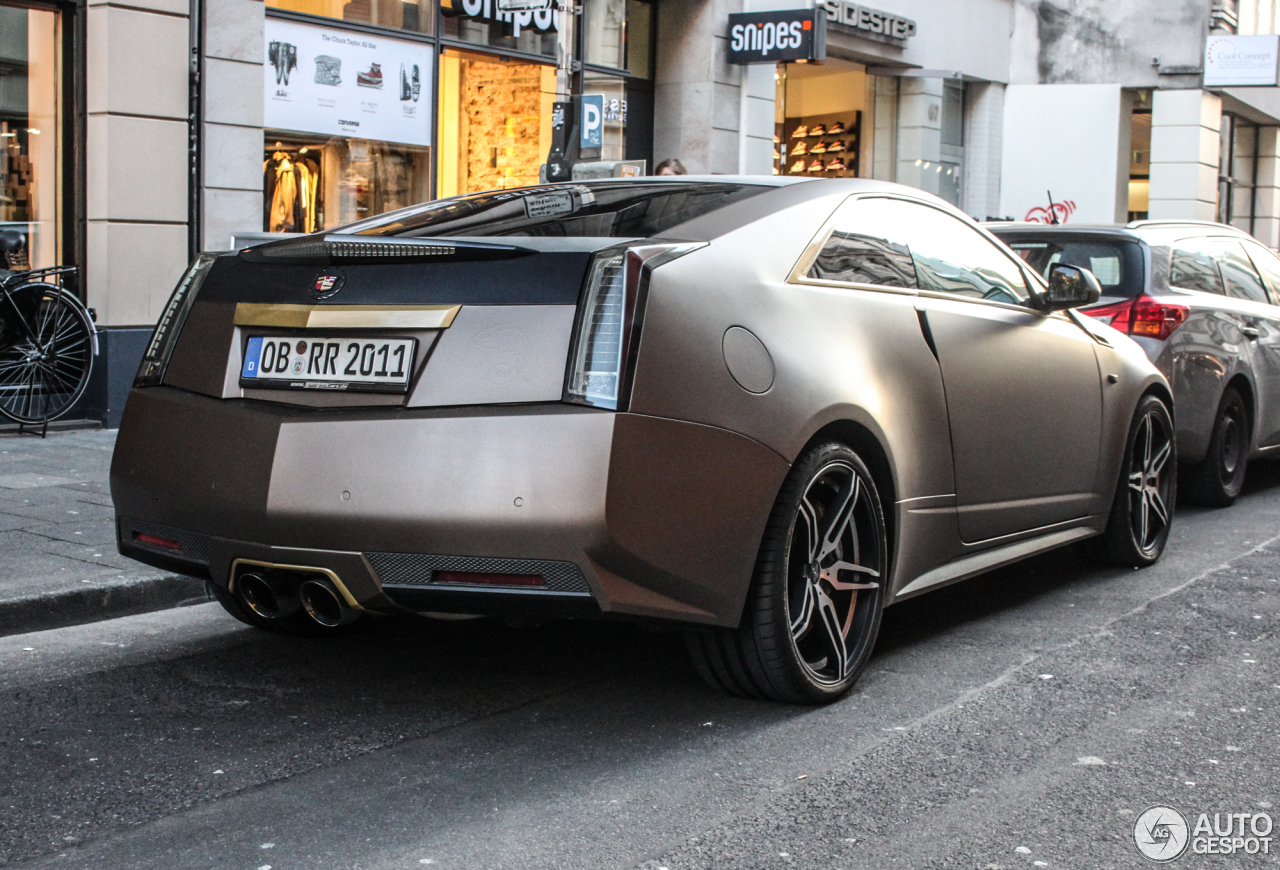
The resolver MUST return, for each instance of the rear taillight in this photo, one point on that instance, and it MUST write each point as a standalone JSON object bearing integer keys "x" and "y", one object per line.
{"x": 1142, "y": 316}
{"x": 160, "y": 348}
{"x": 610, "y": 316}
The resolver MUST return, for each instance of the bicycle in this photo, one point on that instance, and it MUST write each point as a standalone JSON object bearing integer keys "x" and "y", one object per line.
{"x": 47, "y": 341}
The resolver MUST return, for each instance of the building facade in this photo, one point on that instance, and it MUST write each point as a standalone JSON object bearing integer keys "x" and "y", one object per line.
{"x": 139, "y": 132}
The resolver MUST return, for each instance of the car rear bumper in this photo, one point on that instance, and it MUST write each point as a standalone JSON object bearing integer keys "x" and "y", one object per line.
{"x": 636, "y": 515}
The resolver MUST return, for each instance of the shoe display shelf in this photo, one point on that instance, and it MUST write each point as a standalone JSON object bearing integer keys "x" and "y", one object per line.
{"x": 818, "y": 146}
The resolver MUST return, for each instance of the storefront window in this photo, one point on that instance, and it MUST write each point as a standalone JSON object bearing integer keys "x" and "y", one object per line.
{"x": 480, "y": 21}
{"x": 416, "y": 15}
{"x": 819, "y": 119}
{"x": 614, "y": 93}
{"x": 29, "y": 129}
{"x": 313, "y": 183}
{"x": 495, "y": 122}
{"x": 606, "y": 32}
{"x": 639, "y": 39}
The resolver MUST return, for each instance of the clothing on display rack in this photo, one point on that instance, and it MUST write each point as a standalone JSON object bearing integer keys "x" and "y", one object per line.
{"x": 290, "y": 186}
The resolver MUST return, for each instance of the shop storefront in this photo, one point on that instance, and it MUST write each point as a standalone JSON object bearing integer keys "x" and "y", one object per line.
{"x": 34, "y": 170}
{"x": 370, "y": 106}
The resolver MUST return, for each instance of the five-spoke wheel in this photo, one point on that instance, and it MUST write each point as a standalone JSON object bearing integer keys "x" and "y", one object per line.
{"x": 816, "y": 600}
{"x": 1143, "y": 507}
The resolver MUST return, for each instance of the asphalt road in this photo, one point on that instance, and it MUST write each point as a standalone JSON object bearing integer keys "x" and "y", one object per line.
{"x": 1021, "y": 719}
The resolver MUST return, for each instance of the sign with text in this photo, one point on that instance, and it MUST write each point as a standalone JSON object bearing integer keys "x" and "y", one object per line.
{"x": 769, "y": 37}
{"x": 341, "y": 83}
{"x": 1241, "y": 61}
{"x": 869, "y": 23}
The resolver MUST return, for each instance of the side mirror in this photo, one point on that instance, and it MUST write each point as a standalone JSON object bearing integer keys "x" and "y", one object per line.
{"x": 1070, "y": 287}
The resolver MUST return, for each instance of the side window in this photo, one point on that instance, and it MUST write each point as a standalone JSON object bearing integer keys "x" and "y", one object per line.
{"x": 865, "y": 247}
{"x": 1268, "y": 264}
{"x": 1194, "y": 269}
{"x": 1238, "y": 275}
{"x": 952, "y": 257}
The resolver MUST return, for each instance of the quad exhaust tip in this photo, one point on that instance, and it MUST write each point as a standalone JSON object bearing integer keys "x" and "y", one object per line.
{"x": 268, "y": 596}
{"x": 325, "y": 604}
{"x": 275, "y": 592}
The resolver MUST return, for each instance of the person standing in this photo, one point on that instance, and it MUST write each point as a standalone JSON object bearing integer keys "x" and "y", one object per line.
{"x": 671, "y": 166}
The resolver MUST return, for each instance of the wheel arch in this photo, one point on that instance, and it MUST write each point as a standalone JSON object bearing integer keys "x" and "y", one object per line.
{"x": 1240, "y": 381}
{"x": 863, "y": 441}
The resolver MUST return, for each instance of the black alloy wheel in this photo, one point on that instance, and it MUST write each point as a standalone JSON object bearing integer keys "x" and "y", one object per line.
{"x": 45, "y": 353}
{"x": 814, "y": 609}
{"x": 1141, "y": 514}
{"x": 1218, "y": 480}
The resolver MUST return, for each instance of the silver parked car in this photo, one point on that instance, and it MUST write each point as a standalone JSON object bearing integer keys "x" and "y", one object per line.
{"x": 758, "y": 409}
{"x": 1203, "y": 300}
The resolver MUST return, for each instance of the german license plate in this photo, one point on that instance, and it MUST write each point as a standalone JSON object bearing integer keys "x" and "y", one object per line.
{"x": 379, "y": 365}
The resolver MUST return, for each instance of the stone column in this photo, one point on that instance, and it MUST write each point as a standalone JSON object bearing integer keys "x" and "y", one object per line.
{"x": 697, "y": 101}
{"x": 1184, "y": 155}
{"x": 136, "y": 191}
{"x": 983, "y": 135}
{"x": 233, "y": 145}
{"x": 1266, "y": 224}
{"x": 919, "y": 132}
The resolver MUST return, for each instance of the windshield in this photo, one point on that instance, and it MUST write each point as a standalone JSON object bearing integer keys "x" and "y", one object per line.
{"x": 599, "y": 210}
{"x": 1116, "y": 263}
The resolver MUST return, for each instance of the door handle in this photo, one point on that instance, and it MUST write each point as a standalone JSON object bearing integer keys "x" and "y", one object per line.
{"x": 1250, "y": 333}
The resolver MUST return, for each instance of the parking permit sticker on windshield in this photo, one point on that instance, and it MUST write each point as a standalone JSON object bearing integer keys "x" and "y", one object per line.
{"x": 546, "y": 205}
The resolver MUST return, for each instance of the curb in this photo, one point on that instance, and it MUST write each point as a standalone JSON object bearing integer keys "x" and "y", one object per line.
{"x": 128, "y": 597}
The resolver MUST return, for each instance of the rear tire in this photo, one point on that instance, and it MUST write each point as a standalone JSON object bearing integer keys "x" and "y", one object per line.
{"x": 1218, "y": 480}
{"x": 814, "y": 608}
{"x": 1142, "y": 509}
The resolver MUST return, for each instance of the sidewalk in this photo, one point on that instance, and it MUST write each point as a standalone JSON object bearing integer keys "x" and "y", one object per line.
{"x": 58, "y": 559}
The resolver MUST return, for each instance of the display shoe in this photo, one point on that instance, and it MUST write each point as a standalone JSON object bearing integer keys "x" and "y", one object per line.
{"x": 836, "y": 129}
{"x": 799, "y": 149}
{"x": 816, "y": 165}
{"x": 777, "y": 155}
{"x": 818, "y": 148}
{"x": 819, "y": 130}
{"x": 372, "y": 78}
{"x": 777, "y": 140}
{"x": 416, "y": 79}
{"x": 798, "y": 166}
{"x": 835, "y": 164}
{"x": 835, "y": 147}
{"x": 406, "y": 90}
{"x": 800, "y": 132}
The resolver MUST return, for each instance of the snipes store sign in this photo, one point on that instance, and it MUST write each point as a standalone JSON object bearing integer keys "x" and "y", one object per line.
{"x": 769, "y": 37}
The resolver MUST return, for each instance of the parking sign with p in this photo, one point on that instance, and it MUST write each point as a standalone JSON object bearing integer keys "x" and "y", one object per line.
{"x": 592, "y": 126}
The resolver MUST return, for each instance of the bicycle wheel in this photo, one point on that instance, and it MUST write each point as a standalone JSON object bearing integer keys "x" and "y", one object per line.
{"x": 46, "y": 353}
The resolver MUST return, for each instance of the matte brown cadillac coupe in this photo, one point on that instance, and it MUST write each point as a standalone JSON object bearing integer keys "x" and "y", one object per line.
{"x": 759, "y": 410}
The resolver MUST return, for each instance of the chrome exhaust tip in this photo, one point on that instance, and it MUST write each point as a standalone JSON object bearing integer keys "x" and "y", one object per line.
{"x": 268, "y": 596}
{"x": 325, "y": 604}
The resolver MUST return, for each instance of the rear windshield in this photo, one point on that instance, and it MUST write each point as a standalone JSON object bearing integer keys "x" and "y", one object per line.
{"x": 1117, "y": 264}
{"x": 597, "y": 210}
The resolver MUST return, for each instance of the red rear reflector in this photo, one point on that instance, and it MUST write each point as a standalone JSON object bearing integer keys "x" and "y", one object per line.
{"x": 474, "y": 578}
{"x": 156, "y": 542}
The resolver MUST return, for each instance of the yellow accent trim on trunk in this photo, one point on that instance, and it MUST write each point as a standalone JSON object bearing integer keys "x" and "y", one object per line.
{"x": 346, "y": 316}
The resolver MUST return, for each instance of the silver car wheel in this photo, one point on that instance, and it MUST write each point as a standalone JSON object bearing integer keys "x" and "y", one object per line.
{"x": 1150, "y": 477}
{"x": 834, "y": 573}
